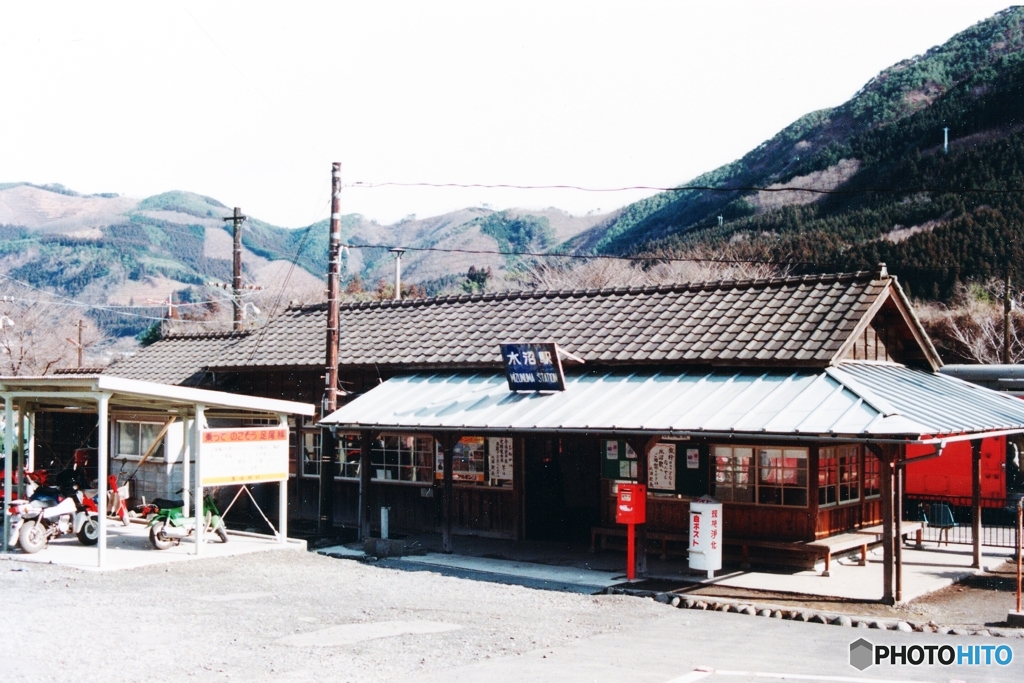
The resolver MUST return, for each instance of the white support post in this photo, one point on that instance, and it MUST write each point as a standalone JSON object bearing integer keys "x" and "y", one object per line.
{"x": 22, "y": 466}
{"x": 186, "y": 456}
{"x": 30, "y": 464}
{"x": 102, "y": 455}
{"x": 200, "y": 513}
{"x": 8, "y": 459}
{"x": 282, "y": 499}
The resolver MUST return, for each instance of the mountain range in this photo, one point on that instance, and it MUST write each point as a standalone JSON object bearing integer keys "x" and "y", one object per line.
{"x": 886, "y": 188}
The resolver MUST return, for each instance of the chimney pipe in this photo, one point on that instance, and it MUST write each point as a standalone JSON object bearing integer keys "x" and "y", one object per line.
{"x": 398, "y": 251}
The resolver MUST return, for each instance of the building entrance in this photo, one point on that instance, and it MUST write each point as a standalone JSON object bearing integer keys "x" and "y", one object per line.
{"x": 562, "y": 488}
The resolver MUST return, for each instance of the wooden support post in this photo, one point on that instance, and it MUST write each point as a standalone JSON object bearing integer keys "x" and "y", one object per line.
{"x": 328, "y": 449}
{"x": 518, "y": 490}
{"x": 898, "y": 519}
{"x": 643, "y": 448}
{"x": 976, "y": 502}
{"x": 365, "y": 444}
{"x": 448, "y": 442}
{"x": 884, "y": 453}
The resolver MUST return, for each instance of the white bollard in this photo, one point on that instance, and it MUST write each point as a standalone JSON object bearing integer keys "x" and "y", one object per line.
{"x": 384, "y": 522}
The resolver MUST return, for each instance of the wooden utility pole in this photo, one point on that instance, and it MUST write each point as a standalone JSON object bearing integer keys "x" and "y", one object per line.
{"x": 236, "y": 267}
{"x": 81, "y": 323}
{"x": 329, "y": 403}
{"x": 1007, "y": 307}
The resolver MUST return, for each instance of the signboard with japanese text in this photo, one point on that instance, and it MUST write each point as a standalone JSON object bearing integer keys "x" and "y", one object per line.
{"x": 533, "y": 366}
{"x": 499, "y": 463}
{"x": 706, "y": 535}
{"x": 661, "y": 467}
{"x": 246, "y": 455}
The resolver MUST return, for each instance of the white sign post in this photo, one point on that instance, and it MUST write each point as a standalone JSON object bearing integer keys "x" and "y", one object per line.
{"x": 247, "y": 455}
{"x": 706, "y": 535}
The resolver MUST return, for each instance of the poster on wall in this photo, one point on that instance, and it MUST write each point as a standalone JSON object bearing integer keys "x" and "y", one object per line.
{"x": 500, "y": 462}
{"x": 661, "y": 467}
{"x": 611, "y": 450}
{"x": 693, "y": 458}
{"x": 244, "y": 456}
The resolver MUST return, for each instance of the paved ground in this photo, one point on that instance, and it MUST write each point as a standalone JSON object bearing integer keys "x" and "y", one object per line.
{"x": 129, "y": 548}
{"x": 293, "y": 616}
{"x": 571, "y": 567}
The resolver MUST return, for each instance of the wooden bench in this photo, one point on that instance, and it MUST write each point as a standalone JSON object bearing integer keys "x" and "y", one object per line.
{"x": 906, "y": 528}
{"x": 822, "y": 549}
{"x": 599, "y": 533}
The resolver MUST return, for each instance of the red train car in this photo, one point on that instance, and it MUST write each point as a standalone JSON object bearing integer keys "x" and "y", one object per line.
{"x": 948, "y": 477}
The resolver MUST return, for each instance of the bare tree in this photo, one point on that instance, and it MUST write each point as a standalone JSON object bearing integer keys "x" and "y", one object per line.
{"x": 971, "y": 329}
{"x": 39, "y": 332}
{"x": 695, "y": 267}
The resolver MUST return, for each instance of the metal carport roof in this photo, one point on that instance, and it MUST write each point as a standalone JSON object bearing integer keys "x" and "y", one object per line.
{"x": 860, "y": 401}
{"x": 103, "y": 392}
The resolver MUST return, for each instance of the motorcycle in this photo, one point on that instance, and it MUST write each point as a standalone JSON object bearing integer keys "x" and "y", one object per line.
{"x": 170, "y": 525}
{"x": 47, "y": 515}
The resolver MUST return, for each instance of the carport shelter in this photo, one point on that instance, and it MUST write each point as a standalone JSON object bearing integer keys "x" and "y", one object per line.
{"x": 196, "y": 411}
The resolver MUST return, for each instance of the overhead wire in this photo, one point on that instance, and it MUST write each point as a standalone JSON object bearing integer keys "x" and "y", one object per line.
{"x": 691, "y": 188}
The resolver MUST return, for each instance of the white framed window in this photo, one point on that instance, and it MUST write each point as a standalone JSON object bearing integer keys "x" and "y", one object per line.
{"x": 761, "y": 475}
{"x": 402, "y": 457}
{"x": 134, "y": 439}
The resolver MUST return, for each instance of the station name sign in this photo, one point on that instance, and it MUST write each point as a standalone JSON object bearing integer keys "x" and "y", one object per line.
{"x": 533, "y": 366}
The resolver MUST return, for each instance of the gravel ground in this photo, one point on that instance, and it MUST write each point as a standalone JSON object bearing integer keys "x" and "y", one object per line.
{"x": 231, "y": 619}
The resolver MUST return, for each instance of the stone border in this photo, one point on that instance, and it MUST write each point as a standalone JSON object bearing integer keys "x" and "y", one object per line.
{"x": 811, "y": 616}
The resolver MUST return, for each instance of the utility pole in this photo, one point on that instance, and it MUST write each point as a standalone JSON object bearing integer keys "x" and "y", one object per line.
{"x": 80, "y": 325}
{"x": 1007, "y": 307}
{"x": 328, "y": 447}
{"x": 236, "y": 268}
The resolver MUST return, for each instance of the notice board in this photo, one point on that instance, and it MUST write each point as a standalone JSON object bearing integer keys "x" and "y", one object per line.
{"x": 672, "y": 466}
{"x": 246, "y": 455}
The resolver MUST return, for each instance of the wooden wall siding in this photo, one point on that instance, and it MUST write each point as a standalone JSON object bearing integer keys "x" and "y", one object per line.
{"x": 346, "y": 503}
{"x": 842, "y": 518}
{"x": 888, "y": 338}
{"x": 58, "y": 435}
{"x": 410, "y": 511}
{"x": 875, "y": 344}
{"x": 292, "y": 385}
{"x": 490, "y": 512}
{"x": 776, "y": 523}
{"x": 303, "y": 499}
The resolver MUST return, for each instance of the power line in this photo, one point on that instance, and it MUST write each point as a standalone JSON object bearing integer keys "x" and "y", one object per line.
{"x": 688, "y": 259}
{"x": 692, "y": 188}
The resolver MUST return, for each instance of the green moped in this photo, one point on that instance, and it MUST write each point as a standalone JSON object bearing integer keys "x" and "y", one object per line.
{"x": 170, "y": 525}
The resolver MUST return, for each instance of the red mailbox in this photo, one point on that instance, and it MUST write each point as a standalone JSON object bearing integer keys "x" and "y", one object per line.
{"x": 631, "y": 509}
{"x": 631, "y": 505}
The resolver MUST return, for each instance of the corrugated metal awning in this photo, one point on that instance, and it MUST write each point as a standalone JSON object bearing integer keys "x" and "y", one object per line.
{"x": 861, "y": 401}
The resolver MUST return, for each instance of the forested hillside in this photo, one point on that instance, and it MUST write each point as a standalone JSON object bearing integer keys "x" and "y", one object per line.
{"x": 937, "y": 219}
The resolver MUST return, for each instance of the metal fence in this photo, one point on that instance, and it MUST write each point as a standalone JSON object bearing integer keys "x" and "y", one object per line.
{"x": 948, "y": 519}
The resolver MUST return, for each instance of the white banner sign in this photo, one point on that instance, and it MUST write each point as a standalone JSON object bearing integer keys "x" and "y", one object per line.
{"x": 500, "y": 463}
{"x": 661, "y": 467}
{"x": 246, "y": 455}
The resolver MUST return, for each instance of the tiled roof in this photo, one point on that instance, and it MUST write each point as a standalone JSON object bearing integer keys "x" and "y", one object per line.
{"x": 795, "y": 321}
{"x": 175, "y": 359}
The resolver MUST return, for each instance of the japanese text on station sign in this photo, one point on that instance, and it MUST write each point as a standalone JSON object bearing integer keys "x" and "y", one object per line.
{"x": 533, "y": 366}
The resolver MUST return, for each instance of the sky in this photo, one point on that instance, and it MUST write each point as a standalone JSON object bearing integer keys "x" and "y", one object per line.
{"x": 250, "y": 102}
